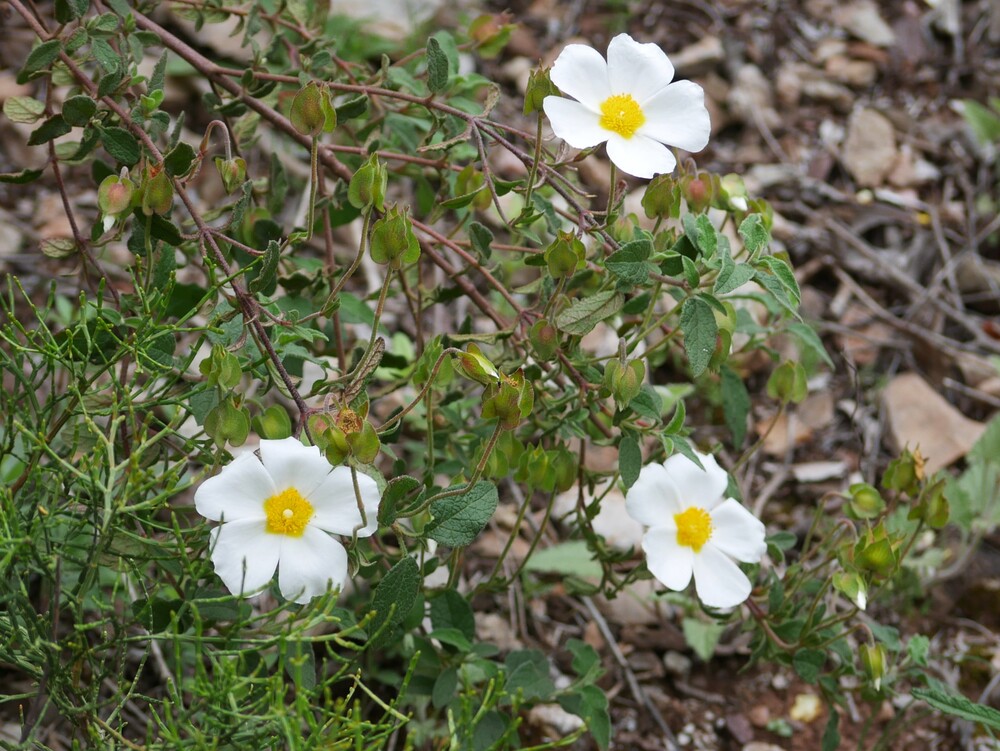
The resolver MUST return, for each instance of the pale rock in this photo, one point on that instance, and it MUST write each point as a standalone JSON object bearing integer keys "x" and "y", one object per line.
{"x": 761, "y": 746}
{"x": 700, "y": 57}
{"x": 919, "y": 417}
{"x": 751, "y": 97}
{"x": 862, "y": 19}
{"x": 828, "y": 48}
{"x": 554, "y": 717}
{"x": 911, "y": 169}
{"x": 492, "y": 628}
{"x": 807, "y": 472}
{"x": 824, "y": 90}
{"x": 807, "y": 708}
{"x": 636, "y": 605}
{"x": 860, "y": 73}
{"x": 759, "y": 715}
{"x": 870, "y": 149}
{"x": 831, "y": 133}
{"x": 677, "y": 663}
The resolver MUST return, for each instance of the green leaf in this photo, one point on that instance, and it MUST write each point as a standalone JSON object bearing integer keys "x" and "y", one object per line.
{"x": 20, "y": 178}
{"x": 105, "y": 55}
{"x": 444, "y": 687}
{"x": 987, "y": 447}
{"x": 700, "y": 330}
{"x": 647, "y": 403}
{"x": 808, "y": 663}
{"x": 629, "y": 460}
{"x": 702, "y": 234}
{"x": 121, "y": 145}
{"x": 735, "y": 404}
{"x": 959, "y": 706}
{"x": 584, "y": 314}
{"x": 917, "y": 647}
{"x": 755, "y": 235}
{"x": 110, "y": 82}
{"x": 590, "y": 703}
{"x": 630, "y": 262}
{"x": 352, "y": 108}
{"x": 79, "y": 109}
{"x": 41, "y": 57}
{"x": 437, "y": 66}
{"x": 831, "y": 733}
{"x": 528, "y": 671}
{"x": 776, "y": 289}
{"x": 52, "y": 128}
{"x": 702, "y": 637}
{"x": 731, "y": 276}
{"x": 458, "y": 520}
{"x": 450, "y": 610}
{"x": 571, "y": 558}
{"x": 178, "y": 162}
{"x": 810, "y": 340}
{"x": 267, "y": 277}
{"x": 23, "y": 109}
{"x": 785, "y": 275}
{"x": 985, "y": 123}
{"x": 394, "y": 598}
{"x": 397, "y": 489}
{"x": 480, "y": 237}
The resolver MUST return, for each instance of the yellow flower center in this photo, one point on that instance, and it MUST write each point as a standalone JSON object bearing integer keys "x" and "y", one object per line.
{"x": 622, "y": 114}
{"x": 288, "y": 513}
{"x": 694, "y": 527}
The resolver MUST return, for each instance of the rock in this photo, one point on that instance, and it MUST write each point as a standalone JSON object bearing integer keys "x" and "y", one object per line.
{"x": 739, "y": 727}
{"x": 870, "y": 148}
{"x": 677, "y": 663}
{"x": 862, "y": 19}
{"x": 761, "y": 746}
{"x": 860, "y": 73}
{"x": 554, "y": 717}
{"x": 751, "y": 97}
{"x": 700, "y": 57}
{"x": 806, "y": 708}
{"x": 919, "y": 417}
{"x": 759, "y": 716}
{"x": 807, "y": 472}
{"x": 492, "y": 628}
{"x": 911, "y": 169}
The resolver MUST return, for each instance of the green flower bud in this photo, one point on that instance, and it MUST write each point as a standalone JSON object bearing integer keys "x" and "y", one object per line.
{"x": 874, "y": 661}
{"x": 788, "y": 383}
{"x": 905, "y": 473}
{"x": 368, "y": 184}
{"x": 539, "y": 87}
{"x": 933, "y": 507}
{"x": 307, "y": 113}
{"x": 853, "y": 587}
{"x": 393, "y": 241}
{"x": 114, "y": 197}
{"x": 734, "y": 192}
{"x": 544, "y": 338}
{"x": 478, "y": 368}
{"x": 624, "y": 381}
{"x": 510, "y": 401}
{"x": 876, "y": 553}
{"x": 157, "y": 192}
{"x": 662, "y": 198}
{"x": 565, "y": 255}
{"x": 232, "y": 171}
{"x": 700, "y": 190}
{"x": 865, "y": 502}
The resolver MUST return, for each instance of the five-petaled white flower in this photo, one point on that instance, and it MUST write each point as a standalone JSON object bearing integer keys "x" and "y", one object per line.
{"x": 277, "y": 512}
{"x": 628, "y": 101}
{"x": 692, "y": 530}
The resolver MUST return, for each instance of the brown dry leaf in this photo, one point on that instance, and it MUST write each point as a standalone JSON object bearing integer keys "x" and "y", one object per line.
{"x": 920, "y": 417}
{"x": 797, "y": 427}
{"x": 872, "y": 334}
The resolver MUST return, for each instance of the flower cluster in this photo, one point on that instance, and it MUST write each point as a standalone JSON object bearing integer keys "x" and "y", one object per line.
{"x": 278, "y": 512}
{"x": 628, "y": 101}
{"x": 693, "y": 531}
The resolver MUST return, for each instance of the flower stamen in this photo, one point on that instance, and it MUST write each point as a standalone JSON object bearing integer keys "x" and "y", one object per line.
{"x": 694, "y": 528}
{"x": 621, "y": 114}
{"x": 288, "y": 513}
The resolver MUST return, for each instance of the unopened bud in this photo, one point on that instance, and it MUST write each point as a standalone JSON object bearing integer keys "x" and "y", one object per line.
{"x": 874, "y": 660}
{"x": 510, "y": 401}
{"x": 368, "y": 184}
{"x": 544, "y": 339}
{"x": 474, "y": 365}
{"x": 232, "y": 171}
{"x": 307, "y": 114}
{"x": 393, "y": 241}
{"x": 624, "y": 381}
{"x": 565, "y": 255}
{"x": 539, "y": 87}
{"x": 866, "y": 502}
{"x": 114, "y": 197}
{"x": 157, "y": 193}
{"x": 662, "y": 198}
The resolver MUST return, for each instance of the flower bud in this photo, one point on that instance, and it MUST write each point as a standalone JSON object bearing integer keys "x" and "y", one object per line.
{"x": 307, "y": 114}
{"x": 478, "y": 368}
{"x": 905, "y": 473}
{"x": 368, "y": 184}
{"x": 933, "y": 507}
{"x": 662, "y": 198}
{"x": 624, "y": 381}
{"x": 852, "y": 586}
{"x": 734, "y": 192}
{"x": 565, "y": 255}
{"x": 539, "y": 87}
{"x": 393, "y": 241}
{"x": 157, "y": 192}
{"x": 788, "y": 383}
{"x": 232, "y": 171}
{"x": 699, "y": 191}
{"x": 874, "y": 660}
{"x": 114, "y": 197}
{"x": 510, "y": 401}
{"x": 865, "y": 502}
{"x": 876, "y": 553}
{"x": 544, "y": 339}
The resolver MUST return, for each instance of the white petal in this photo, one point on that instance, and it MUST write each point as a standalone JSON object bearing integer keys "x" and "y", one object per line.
{"x": 237, "y": 492}
{"x": 310, "y": 565}
{"x": 738, "y": 533}
{"x": 244, "y": 554}
{"x": 637, "y": 69}
{"x": 697, "y": 487}
{"x": 336, "y": 505}
{"x": 719, "y": 581}
{"x": 580, "y": 72}
{"x": 640, "y": 156}
{"x": 676, "y": 116}
{"x": 666, "y": 560}
{"x": 574, "y": 123}
{"x": 293, "y": 465}
{"x": 653, "y": 500}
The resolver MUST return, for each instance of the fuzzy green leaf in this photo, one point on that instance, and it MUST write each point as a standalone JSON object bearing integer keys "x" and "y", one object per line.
{"x": 959, "y": 706}
{"x": 121, "y": 145}
{"x": 735, "y": 404}
{"x": 437, "y": 66}
{"x": 584, "y": 314}
{"x": 52, "y": 128}
{"x": 458, "y": 520}
{"x": 41, "y": 57}
{"x": 700, "y": 330}
{"x": 629, "y": 460}
{"x": 393, "y": 599}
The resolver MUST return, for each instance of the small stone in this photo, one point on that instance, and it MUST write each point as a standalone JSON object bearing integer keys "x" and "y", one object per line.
{"x": 870, "y": 149}
{"x": 677, "y": 663}
{"x": 751, "y": 97}
{"x": 683, "y": 739}
{"x": 555, "y": 717}
{"x": 806, "y": 708}
{"x": 862, "y": 19}
{"x": 739, "y": 727}
{"x": 761, "y": 746}
{"x": 860, "y": 73}
{"x": 759, "y": 716}
{"x": 780, "y": 682}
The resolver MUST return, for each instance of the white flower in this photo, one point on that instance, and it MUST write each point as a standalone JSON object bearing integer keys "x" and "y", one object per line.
{"x": 277, "y": 512}
{"x": 692, "y": 530}
{"x": 629, "y": 102}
